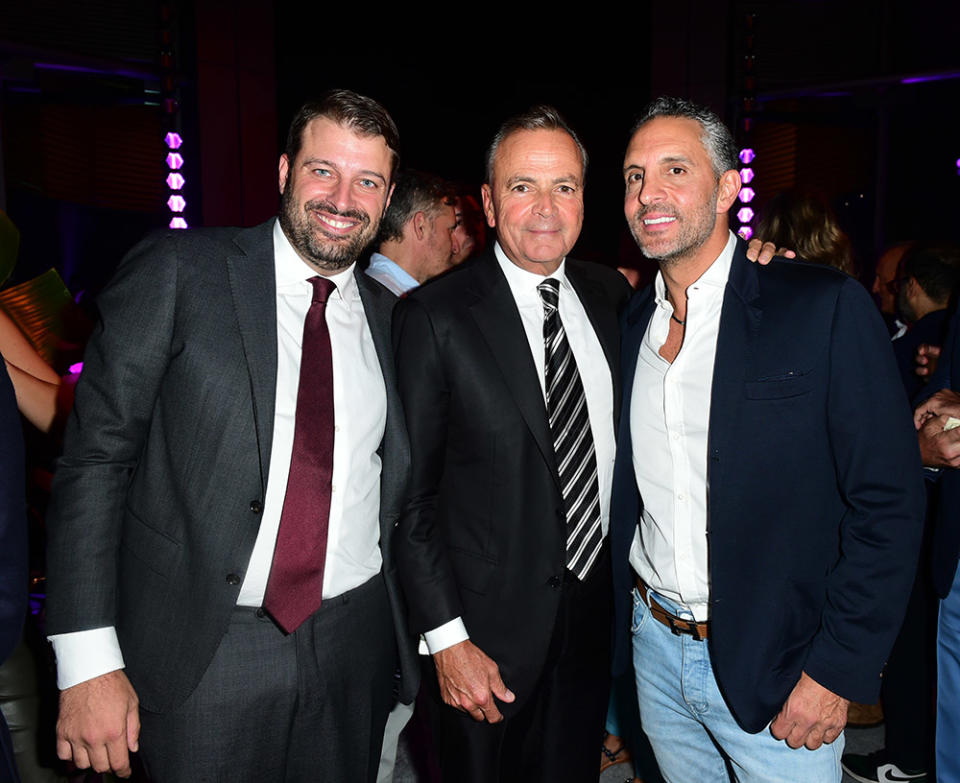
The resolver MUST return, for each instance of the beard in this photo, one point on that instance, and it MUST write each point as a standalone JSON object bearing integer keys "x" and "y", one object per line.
{"x": 331, "y": 254}
{"x": 693, "y": 230}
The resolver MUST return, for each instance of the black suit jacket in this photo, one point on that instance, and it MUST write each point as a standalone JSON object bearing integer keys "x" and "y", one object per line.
{"x": 483, "y": 534}
{"x": 157, "y": 499}
{"x": 815, "y": 499}
{"x": 13, "y": 547}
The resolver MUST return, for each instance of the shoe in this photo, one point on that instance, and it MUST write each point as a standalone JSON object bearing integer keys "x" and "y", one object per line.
{"x": 877, "y": 768}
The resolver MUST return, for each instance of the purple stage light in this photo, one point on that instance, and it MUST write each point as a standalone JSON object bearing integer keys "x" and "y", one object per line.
{"x": 75, "y": 368}
{"x": 746, "y": 176}
{"x": 173, "y": 140}
{"x": 745, "y": 215}
{"x": 176, "y": 203}
{"x": 746, "y": 232}
{"x": 746, "y": 156}
{"x": 174, "y": 160}
{"x": 175, "y": 181}
{"x": 746, "y": 195}
{"x": 178, "y": 222}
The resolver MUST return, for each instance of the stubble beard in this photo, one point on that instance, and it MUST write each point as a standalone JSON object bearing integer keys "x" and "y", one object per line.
{"x": 318, "y": 250}
{"x": 692, "y": 233}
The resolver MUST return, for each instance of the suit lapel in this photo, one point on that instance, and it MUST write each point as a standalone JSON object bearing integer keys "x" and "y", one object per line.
{"x": 495, "y": 313}
{"x": 253, "y": 289}
{"x": 603, "y": 319}
{"x": 378, "y": 304}
{"x": 740, "y": 319}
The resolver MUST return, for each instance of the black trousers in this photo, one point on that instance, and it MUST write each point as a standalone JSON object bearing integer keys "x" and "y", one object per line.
{"x": 308, "y": 706}
{"x": 555, "y": 735}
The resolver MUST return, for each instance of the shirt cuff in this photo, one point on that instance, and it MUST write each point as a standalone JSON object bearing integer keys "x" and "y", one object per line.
{"x": 446, "y": 635}
{"x": 83, "y": 655}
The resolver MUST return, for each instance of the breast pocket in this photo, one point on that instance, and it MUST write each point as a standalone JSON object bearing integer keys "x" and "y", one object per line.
{"x": 792, "y": 383}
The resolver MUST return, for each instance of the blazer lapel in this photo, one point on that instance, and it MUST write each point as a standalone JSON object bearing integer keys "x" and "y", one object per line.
{"x": 253, "y": 288}
{"x": 740, "y": 319}
{"x": 378, "y": 304}
{"x": 495, "y": 312}
{"x": 604, "y": 321}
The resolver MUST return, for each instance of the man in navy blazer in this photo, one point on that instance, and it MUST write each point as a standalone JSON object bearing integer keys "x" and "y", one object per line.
{"x": 767, "y": 504}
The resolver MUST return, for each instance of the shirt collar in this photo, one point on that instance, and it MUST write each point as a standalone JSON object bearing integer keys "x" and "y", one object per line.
{"x": 715, "y": 276}
{"x": 523, "y": 284}
{"x": 292, "y": 272}
{"x": 397, "y": 272}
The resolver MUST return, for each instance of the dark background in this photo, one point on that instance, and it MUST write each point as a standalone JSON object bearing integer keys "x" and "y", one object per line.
{"x": 89, "y": 88}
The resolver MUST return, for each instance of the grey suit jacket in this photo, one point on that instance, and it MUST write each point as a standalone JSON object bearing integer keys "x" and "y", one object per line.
{"x": 157, "y": 498}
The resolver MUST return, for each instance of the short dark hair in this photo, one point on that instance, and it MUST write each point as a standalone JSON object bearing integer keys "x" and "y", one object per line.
{"x": 415, "y": 191}
{"x": 364, "y": 115}
{"x": 539, "y": 117}
{"x": 716, "y": 137}
{"x": 936, "y": 267}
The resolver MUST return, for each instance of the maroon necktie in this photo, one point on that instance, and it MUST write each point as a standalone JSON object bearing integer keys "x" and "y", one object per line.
{"x": 295, "y": 586}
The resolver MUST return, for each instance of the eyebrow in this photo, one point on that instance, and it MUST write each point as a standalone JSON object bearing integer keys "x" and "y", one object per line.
{"x": 556, "y": 180}
{"x": 366, "y": 172}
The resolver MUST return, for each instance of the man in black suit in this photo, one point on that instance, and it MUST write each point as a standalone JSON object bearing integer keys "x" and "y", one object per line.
{"x": 235, "y": 454}
{"x": 767, "y": 504}
{"x": 506, "y": 368}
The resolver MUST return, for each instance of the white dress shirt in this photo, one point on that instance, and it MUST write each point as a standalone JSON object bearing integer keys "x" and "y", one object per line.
{"x": 353, "y": 552}
{"x": 594, "y": 373}
{"x": 669, "y": 429}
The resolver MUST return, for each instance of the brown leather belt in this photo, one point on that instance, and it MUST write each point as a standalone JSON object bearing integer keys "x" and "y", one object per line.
{"x": 677, "y": 625}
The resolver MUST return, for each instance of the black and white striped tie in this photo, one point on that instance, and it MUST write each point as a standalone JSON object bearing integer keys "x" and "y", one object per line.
{"x": 572, "y": 437}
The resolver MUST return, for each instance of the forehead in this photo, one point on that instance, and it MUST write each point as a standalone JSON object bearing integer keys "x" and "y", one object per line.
{"x": 326, "y": 139}
{"x": 664, "y": 137}
{"x": 538, "y": 152}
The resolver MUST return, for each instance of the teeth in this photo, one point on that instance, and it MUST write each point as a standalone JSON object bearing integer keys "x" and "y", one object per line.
{"x": 335, "y": 223}
{"x": 657, "y": 221}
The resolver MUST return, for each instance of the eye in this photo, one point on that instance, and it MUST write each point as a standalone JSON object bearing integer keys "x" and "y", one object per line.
{"x": 677, "y": 170}
{"x": 320, "y": 172}
{"x": 520, "y": 188}
{"x": 368, "y": 184}
{"x": 634, "y": 177}
{"x": 566, "y": 189}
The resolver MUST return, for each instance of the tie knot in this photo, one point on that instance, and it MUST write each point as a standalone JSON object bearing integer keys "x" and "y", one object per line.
{"x": 549, "y": 291}
{"x": 322, "y": 288}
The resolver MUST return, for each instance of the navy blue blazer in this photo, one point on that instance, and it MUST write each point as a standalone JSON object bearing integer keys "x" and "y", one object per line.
{"x": 816, "y": 500}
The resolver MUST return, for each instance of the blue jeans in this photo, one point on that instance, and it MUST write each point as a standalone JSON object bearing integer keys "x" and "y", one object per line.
{"x": 694, "y": 736}
{"x": 948, "y": 686}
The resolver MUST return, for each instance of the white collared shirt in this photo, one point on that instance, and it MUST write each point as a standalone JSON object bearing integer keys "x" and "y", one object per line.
{"x": 359, "y": 399}
{"x": 669, "y": 429}
{"x": 391, "y": 275}
{"x": 594, "y": 373}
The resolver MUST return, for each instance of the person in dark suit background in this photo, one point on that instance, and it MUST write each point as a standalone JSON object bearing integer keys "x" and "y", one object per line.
{"x": 767, "y": 506}
{"x": 513, "y": 603}
{"x": 207, "y": 500}
{"x": 13, "y": 548}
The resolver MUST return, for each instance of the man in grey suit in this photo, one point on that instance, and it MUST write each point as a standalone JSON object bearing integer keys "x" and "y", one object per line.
{"x": 236, "y": 454}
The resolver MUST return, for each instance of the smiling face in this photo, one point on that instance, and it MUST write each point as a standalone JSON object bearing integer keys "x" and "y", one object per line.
{"x": 672, "y": 195}
{"x": 334, "y": 194}
{"x": 535, "y": 198}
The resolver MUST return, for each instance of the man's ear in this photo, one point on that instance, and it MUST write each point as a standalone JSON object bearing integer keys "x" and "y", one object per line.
{"x": 727, "y": 189}
{"x": 419, "y": 225}
{"x": 487, "y": 195}
{"x": 284, "y": 170}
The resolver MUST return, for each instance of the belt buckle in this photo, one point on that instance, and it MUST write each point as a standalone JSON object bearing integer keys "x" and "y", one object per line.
{"x": 689, "y": 628}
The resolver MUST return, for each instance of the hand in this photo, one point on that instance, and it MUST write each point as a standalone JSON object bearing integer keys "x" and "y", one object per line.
{"x": 811, "y": 716}
{"x": 469, "y": 680}
{"x": 99, "y": 722}
{"x": 944, "y": 403}
{"x": 939, "y": 448}
{"x": 763, "y": 252}
{"x": 926, "y": 359}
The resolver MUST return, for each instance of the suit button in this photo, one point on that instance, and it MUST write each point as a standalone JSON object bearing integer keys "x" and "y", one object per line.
{"x": 554, "y": 581}
{"x": 256, "y": 506}
{"x": 233, "y": 579}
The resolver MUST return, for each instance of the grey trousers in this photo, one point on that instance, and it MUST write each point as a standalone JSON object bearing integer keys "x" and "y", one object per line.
{"x": 309, "y": 706}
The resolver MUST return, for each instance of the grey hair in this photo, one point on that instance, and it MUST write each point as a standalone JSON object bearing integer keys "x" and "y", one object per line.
{"x": 716, "y": 137}
{"x": 539, "y": 117}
